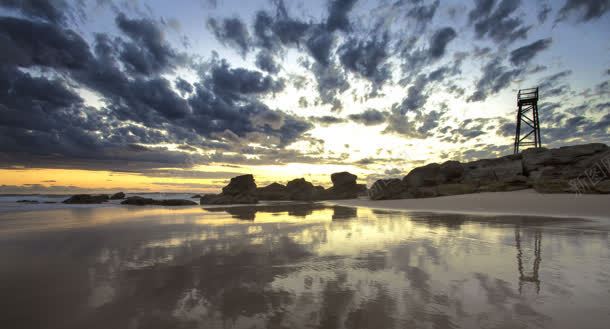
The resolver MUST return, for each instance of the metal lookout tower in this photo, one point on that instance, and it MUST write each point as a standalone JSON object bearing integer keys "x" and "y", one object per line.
{"x": 527, "y": 114}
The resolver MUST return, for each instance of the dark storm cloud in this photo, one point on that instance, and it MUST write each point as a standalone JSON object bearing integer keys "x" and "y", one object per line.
{"x": 140, "y": 109}
{"x": 497, "y": 21}
{"x": 338, "y": 11}
{"x": 326, "y": 120}
{"x": 585, "y": 10}
{"x": 523, "y": 55}
{"x": 543, "y": 13}
{"x": 27, "y": 43}
{"x": 266, "y": 62}
{"x": 52, "y": 11}
{"x": 369, "y": 117}
{"x": 183, "y": 86}
{"x": 319, "y": 45}
{"x": 148, "y": 52}
{"x": 367, "y": 58}
{"x": 422, "y": 13}
{"x": 495, "y": 78}
{"x": 439, "y": 41}
{"x": 232, "y": 32}
{"x": 331, "y": 82}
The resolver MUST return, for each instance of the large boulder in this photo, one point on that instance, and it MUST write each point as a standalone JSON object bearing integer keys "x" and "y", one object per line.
{"x": 243, "y": 184}
{"x": 450, "y": 172}
{"x": 455, "y": 189}
{"x": 240, "y": 190}
{"x": 387, "y": 189}
{"x": 86, "y": 199}
{"x": 118, "y": 196}
{"x": 273, "y": 191}
{"x": 301, "y": 190}
{"x": 140, "y": 201}
{"x": 344, "y": 186}
{"x": 427, "y": 175}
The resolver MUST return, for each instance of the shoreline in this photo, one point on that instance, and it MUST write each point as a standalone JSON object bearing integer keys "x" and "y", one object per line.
{"x": 515, "y": 203}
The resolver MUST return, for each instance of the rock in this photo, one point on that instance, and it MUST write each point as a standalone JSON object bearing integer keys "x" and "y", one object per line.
{"x": 387, "y": 189}
{"x": 243, "y": 184}
{"x": 140, "y": 201}
{"x": 603, "y": 187}
{"x": 450, "y": 172}
{"x": 488, "y": 171}
{"x": 518, "y": 182}
{"x": 424, "y": 192}
{"x": 344, "y": 178}
{"x": 273, "y": 191}
{"x": 455, "y": 189}
{"x": 344, "y": 187}
{"x": 536, "y": 158}
{"x": 301, "y": 190}
{"x": 196, "y": 196}
{"x": 118, "y": 196}
{"x": 427, "y": 175}
{"x": 27, "y": 201}
{"x": 86, "y": 199}
{"x": 241, "y": 190}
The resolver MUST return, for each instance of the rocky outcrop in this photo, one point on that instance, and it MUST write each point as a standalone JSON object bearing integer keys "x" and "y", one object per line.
{"x": 140, "y": 201}
{"x": 344, "y": 187}
{"x": 87, "y": 199}
{"x": 241, "y": 190}
{"x": 118, "y": 196}
{"x": 579, "y": 168}
{"x": 301, "y": 190}
{"x": 273, "y": 192}
{"x": 196, "y": 196}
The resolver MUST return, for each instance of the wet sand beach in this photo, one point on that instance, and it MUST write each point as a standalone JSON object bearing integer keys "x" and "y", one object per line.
{"x": 299, "y": 266}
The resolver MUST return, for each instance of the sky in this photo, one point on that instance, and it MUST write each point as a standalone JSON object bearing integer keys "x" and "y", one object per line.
{"x": 181, "y": 96}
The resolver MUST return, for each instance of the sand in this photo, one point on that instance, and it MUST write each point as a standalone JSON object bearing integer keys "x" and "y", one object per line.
{"x": 524, "y": 202}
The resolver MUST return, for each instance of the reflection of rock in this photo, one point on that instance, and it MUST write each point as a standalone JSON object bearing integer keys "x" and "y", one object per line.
{"x": 249, "y": 212}
{"x": 27, "y": 201}
{"x": 140, "y": 201}
{"x": 241, "y": 190}
{"x": 87, "y": 199}
{"x": 344, "y": 212}
{"x": 118, "y": 196}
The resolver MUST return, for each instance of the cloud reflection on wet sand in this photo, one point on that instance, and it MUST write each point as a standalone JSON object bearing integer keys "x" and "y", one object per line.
{"x": 299, "y": 266}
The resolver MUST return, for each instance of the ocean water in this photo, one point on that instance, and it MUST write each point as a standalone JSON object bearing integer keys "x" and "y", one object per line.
{"x": 298, "y": 266}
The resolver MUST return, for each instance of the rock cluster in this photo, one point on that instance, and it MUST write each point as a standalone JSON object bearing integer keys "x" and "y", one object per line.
{"x": 241, "y": 190}
{"x": 140, "y": 201}
{"x": 547, "y": 171}
{"x": 87, "y": 199}
{"x": 118, "y": 196}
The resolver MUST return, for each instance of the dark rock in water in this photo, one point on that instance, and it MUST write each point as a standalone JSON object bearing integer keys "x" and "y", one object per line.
{"x": 273, "y": 191}
{"x": 196, "y": 196}
{"x": 140, "y": 201}
{"x": 86, "y": 199}
{"x": 344, "y": 178}
{"x": 49, "y": 202}
{"x": 118, "y": 196}
{"x": 27, "y": 201}
{"x": 241, "y": 190}
{"x": 387, "y": 189}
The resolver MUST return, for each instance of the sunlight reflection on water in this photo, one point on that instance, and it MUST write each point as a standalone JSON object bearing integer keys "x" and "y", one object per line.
{"x": 295, "y": 266}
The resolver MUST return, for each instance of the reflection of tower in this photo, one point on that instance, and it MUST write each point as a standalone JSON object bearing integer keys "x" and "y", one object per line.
{"x": 533, "y": 276}
{"x": 527, "y": 113}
